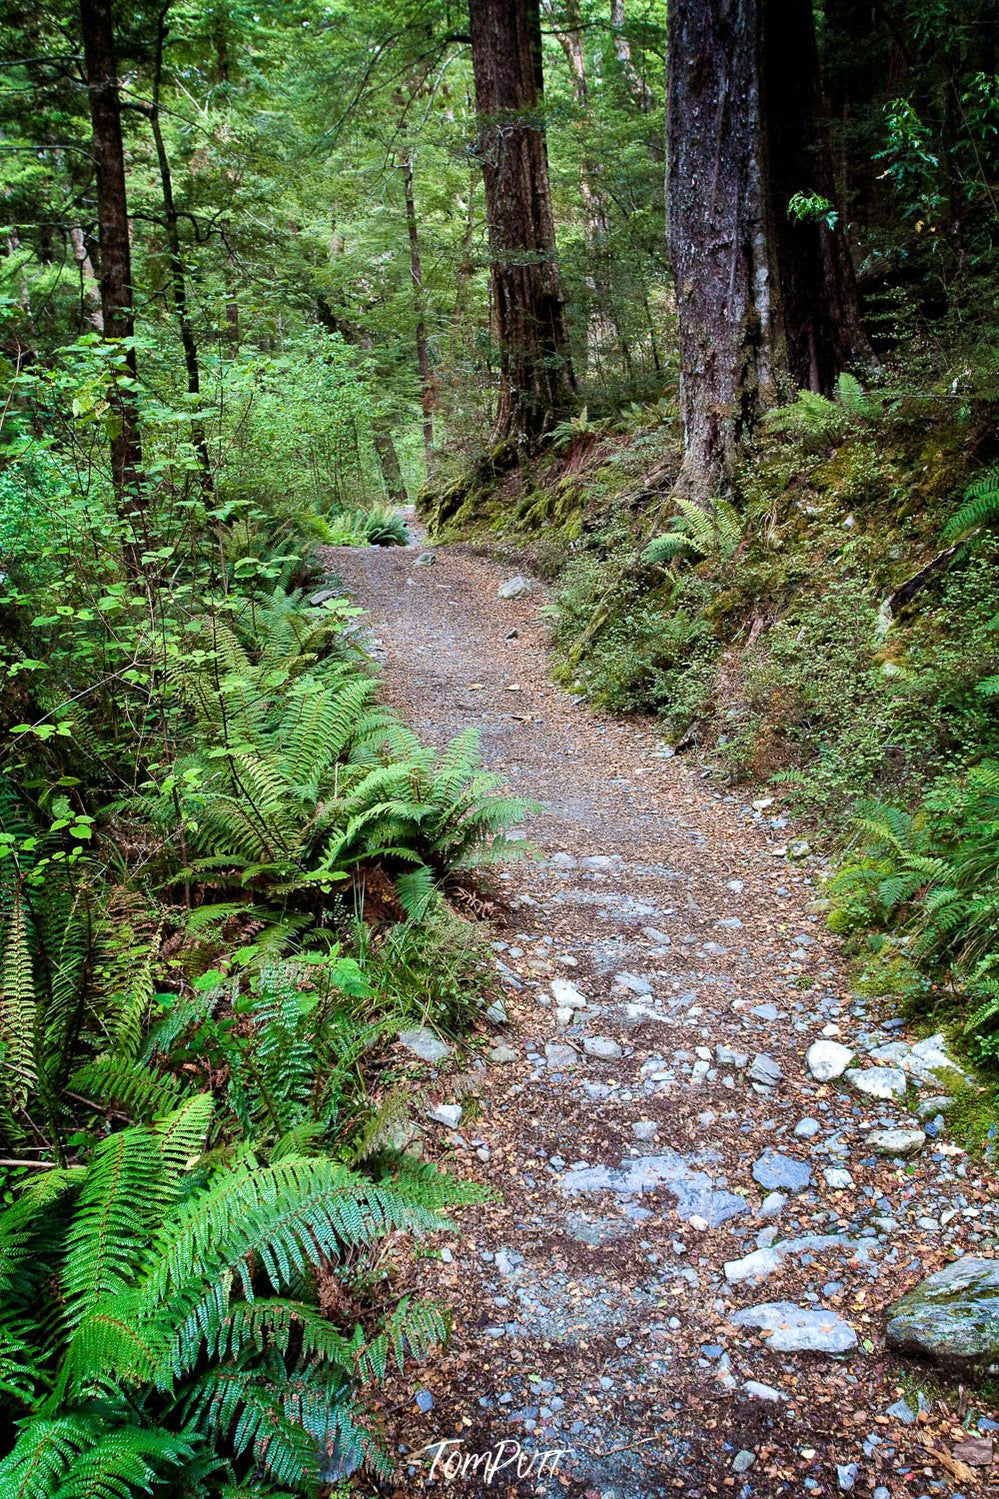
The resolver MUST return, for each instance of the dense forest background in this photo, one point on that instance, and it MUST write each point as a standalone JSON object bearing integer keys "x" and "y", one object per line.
{"x": 697, "y": 312}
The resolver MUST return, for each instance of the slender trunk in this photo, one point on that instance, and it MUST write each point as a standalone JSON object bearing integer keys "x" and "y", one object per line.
{"x": 765, "y": 306}
{"x": 117, "y": 296}
{"x": 639, "y": 90}
{"x": 388, "y": 462}
{"x": 536, "y": 380}
{"x": 416, "y": 272}
{"x": 385, "y": 448}
{"x": 90, "y": 290}
{"x": 641, "y": 94}
{"x": 604, "y": 323}
{"x": 175, "y": 257}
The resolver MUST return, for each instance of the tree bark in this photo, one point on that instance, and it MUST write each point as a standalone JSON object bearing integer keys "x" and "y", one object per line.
{"x": 175, "y": 257}
{"x": 117, "y": 295}
{"x": 384, "y": 446}
{"x": 388, "y": 462}
{"x": 416, "y": 273}
{"x": 536, "y": 379}
{"x": 766, "y": 306}
{"x": 90, "y": 289}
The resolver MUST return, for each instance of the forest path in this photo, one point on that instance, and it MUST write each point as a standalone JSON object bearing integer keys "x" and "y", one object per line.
{"x": 664, "y": 1128}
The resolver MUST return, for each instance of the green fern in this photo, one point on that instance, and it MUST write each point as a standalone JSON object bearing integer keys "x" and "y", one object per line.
{"x": 980, "y": 507}
{"x": 698, "y": 532}
{"x": 186, "y": 1333}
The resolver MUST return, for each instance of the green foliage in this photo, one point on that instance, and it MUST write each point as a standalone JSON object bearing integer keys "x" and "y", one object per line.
{"x": 655, "y": 650}
{"x": 812, "y": 208}
{"x": 167, "y": 1314}
{"x": 698, "y": 532}
{"x": 980, "y": 507}
{"x": 379, "y": 525}
{"x": 930, "y": 879}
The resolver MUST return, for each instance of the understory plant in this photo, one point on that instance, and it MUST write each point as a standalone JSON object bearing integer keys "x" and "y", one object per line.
{"x": 926, "y": 883}
{"x": 161, "y": 1315}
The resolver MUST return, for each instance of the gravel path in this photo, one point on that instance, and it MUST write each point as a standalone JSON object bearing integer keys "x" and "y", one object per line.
{"x": 683, "y": 1286}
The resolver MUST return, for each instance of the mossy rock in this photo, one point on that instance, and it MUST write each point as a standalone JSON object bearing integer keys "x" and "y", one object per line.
{"x": 952, "y": 1317}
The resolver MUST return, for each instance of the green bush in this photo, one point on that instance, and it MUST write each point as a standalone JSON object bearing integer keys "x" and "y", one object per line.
{"x": 930, "y": 880}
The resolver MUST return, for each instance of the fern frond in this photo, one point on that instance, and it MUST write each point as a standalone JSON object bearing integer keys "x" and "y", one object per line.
{"x": 116, "y": 1204}
{"x": 980, "y": 507}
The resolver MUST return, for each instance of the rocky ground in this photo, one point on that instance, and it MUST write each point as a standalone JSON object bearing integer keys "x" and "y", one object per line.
{"x": 718, "y": 1166}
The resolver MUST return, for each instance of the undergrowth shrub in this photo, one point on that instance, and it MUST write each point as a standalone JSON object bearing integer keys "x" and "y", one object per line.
{"x": 926, "y": 883}
{"x": 656, "y": 651}
{"x": 161, "y": 1314}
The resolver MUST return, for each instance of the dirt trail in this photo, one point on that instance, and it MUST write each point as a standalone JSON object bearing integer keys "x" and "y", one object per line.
{"x": 659, "y": 1123}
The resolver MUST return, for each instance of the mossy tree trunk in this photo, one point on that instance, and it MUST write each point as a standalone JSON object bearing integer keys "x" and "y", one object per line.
{"x": 766, "y": 305}
{"x": 536, "y": 378}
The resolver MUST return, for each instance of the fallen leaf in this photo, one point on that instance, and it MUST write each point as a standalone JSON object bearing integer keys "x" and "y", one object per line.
{"x": 954, "y": 1466}
{"x": 978, "y": 1452}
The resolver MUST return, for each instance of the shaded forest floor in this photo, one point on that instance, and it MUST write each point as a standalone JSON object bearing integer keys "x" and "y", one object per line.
{"x": 659, "y": 1122}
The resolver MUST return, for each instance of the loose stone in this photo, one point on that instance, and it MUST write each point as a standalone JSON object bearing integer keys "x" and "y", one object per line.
{"x": 827, "y": 1060}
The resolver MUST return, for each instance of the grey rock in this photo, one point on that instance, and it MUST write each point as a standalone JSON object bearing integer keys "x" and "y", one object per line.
{"x": 827, "y": 1060}
{"x": 634, "y": 983}
{"x": 902, "y": 1411}
{"x": 644, "y": 1129}
{"x": 567, "y": 996}
{"x": 758, "y": 1391}
{"x": 798, "y": 1329}
{"x": 764, "y": 1071}
{"x": 846, "y": 1477}
{"x": 896, "y": 1142}
{"x": 497, "y": 1012}
{"x": 424, "y": 1400}
{"x": 766, "y": 1012}
{"x": 928, "y": 1108}
{"x": 807, "y": 1129}
{"x": 743, "y": 1461}
{"x": 764, "y": 1261}
{"x": 772, "y": 1204}
{"x": 878, "y": 1082}
{"x": 696, "y": 1195}
{"x": 602, "y": 1048}
{"x": 448, "y": 1114}
{"x": 726, "y": 1056}
{"x": 559, "y": 1056}
{"x": 881, "y": 1492}
{"x": 798, "y": 848}
{"x": 425, "y": 559}
{"x": 754, "y": 1266}
{"x": 837, "y": 1178}
{"x": 425, "y": 1044}
{"x": 951, "y": 1317}
{"x": 778, "y": 1172}
{"x": 502, "y": 1054}
{"x": 514, "y": 588}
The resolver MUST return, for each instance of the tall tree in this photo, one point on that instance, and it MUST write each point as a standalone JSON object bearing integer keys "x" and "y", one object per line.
{"x": 767, "y": 302}
{"x": 117, "y": 295}
{"x": 536, "y": 379}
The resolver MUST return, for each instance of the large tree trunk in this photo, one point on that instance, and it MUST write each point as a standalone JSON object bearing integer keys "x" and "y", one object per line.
{"x": 117, "y": 297}
{"x": 766, "y": 306}
{"x": 536, "y": 380}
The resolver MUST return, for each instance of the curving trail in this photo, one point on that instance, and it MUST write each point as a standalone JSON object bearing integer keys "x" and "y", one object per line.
{"x": 661, "y": 1123}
